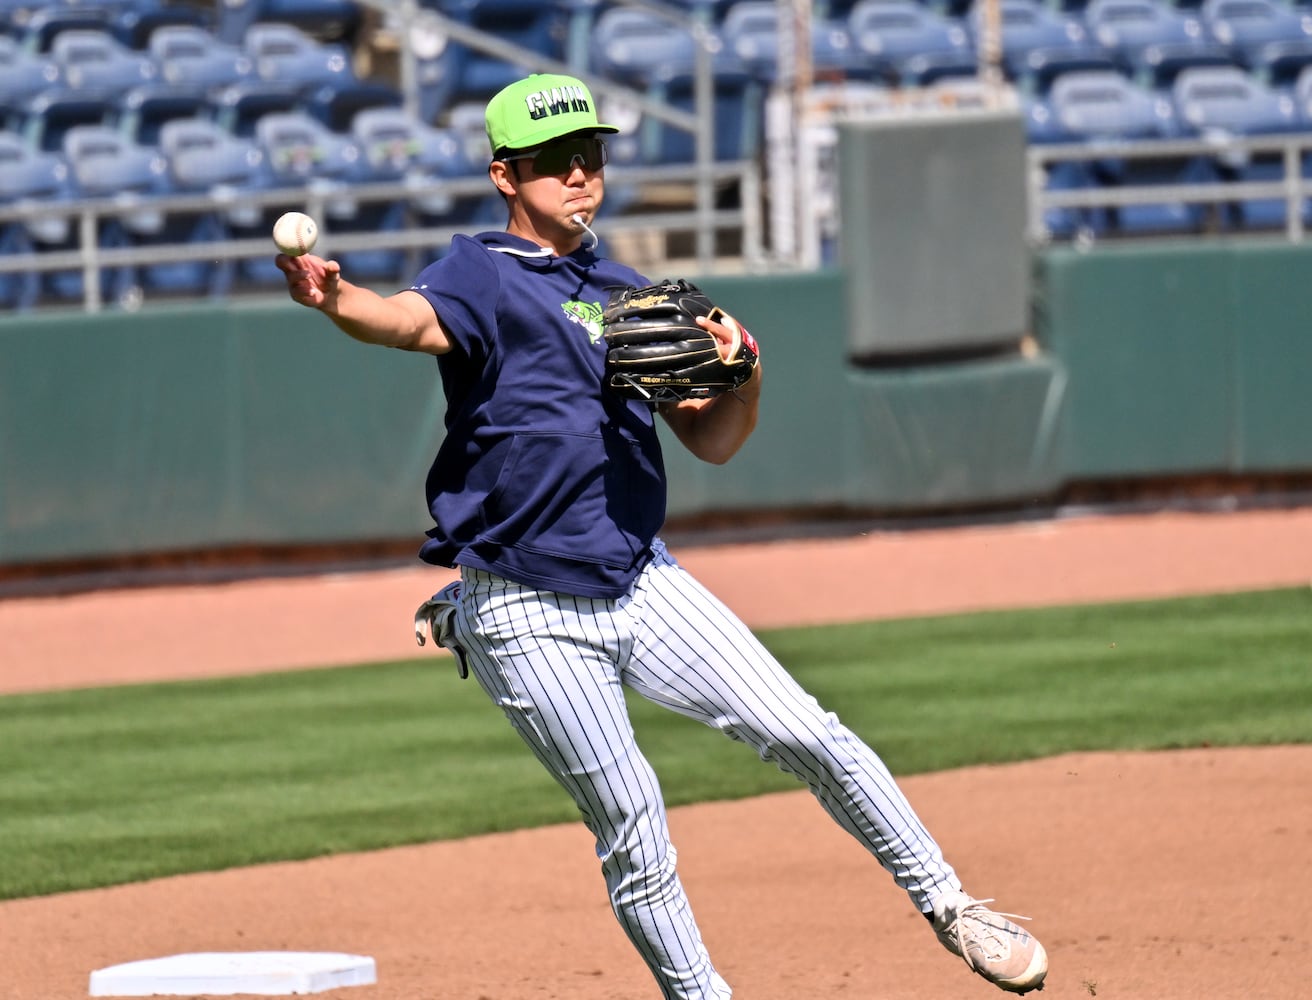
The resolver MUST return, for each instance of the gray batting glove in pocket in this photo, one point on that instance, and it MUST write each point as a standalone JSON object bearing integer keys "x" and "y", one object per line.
{"x": 433, "y": 617}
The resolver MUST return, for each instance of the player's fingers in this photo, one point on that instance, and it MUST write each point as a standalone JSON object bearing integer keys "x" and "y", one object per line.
{"x": 302, "y": 284}
{"x": 310, "y": 279}
{"x": 722, "y": 334}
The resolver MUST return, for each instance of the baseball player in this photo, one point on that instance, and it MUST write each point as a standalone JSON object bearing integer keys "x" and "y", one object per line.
{"x": 548, "y": 491}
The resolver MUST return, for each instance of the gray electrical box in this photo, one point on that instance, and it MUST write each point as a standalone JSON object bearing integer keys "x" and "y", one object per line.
{"x": 933, "y": 233}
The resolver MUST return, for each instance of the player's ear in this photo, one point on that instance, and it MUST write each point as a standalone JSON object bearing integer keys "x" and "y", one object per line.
{"x": 502, "y": 176}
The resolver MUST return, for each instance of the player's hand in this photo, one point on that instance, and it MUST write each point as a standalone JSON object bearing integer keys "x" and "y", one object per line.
{"x": 719, "y": 331}
{"x": 311, "y": 280}
{"x": 727, "y": 341}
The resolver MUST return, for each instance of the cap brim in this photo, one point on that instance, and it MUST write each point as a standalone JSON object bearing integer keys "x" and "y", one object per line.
{"x": 536, "y": 139}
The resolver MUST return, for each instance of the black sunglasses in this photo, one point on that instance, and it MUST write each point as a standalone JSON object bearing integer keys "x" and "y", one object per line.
{"x": 560, "y": 157}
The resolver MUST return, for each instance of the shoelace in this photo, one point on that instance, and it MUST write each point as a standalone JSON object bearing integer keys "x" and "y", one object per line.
{"x": 959, "y": 934}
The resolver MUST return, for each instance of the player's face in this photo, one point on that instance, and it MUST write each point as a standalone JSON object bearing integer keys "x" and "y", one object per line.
{"x": 552, "y": 184}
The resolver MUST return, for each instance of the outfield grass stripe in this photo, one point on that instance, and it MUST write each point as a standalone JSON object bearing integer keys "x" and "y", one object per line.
{"x": 126, "y": 783}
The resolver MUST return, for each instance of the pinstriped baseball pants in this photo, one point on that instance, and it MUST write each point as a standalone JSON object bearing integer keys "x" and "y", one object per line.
{"x": 555, "y": 664}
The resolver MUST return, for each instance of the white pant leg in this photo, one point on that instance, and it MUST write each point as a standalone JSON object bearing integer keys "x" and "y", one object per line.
{"x": 550, "y": 662}
{"x": 694, "y": 656}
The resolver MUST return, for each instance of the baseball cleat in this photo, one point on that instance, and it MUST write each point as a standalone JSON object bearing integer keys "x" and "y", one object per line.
{"x": 992, "y": 946}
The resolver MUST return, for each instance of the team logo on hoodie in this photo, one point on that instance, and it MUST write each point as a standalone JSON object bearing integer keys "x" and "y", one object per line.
{"x": 586, "y": 315}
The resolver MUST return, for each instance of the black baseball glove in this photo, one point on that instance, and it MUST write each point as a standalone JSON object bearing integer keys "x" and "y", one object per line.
{"x": 656, "y": 352}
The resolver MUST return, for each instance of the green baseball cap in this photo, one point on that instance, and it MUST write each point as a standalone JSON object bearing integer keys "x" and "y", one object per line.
{"x": 539, "y": 108}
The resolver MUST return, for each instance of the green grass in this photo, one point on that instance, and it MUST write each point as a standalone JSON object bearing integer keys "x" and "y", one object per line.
{"x": 121, "y": 784}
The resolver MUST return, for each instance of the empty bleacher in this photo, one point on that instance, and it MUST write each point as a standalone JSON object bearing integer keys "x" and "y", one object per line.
{"x": 301, "y": 102}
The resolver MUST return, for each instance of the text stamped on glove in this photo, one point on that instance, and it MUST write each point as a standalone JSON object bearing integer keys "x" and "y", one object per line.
{"x": 656, "y": 351}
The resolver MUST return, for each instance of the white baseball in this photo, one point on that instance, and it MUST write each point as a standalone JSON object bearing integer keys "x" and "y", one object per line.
{"x": 295, "y": 233}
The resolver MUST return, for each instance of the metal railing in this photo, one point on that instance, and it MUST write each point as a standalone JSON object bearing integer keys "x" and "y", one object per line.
{"x": 1291, "y": 186}
{"x": 703, "y": 179}
{"x": 91, "y": 259}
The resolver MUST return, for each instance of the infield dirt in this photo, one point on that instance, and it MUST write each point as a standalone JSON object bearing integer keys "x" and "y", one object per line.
{"x": 1165, "y": 876}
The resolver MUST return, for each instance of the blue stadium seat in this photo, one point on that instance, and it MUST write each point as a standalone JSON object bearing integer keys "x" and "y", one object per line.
{"x": 1041, "y": 125}
{"x": 97, "y": 61}
{"x": 437, "y": 74}
{"x": 711, "y": 12}
{"x": 928, "y": 69}
{"x": 37, "y": 31}
{"x": 13, "y": 15}
{"x": 715, "y": 10}
{"x": 336, "y": 163}
{"x": 750, "y": 30}
{"x": 19, "y": 290}
{"x": 1266, "y": 213}
{"x": 1224, "y": 101}
{"x": 1245, "y": 26}
{"x": 324, "y": 20}
{"x": 104, "y": 164}
{"x": 240, "y": 106}
{"x": 336, "y": 105}
{"x": 531, "y": 24}
{"x": 1092, "y": 107}
{"x": 833, "y": 8}
{"x": 133, "y": 24}
{"x": 466, "y": 121}
{"x": 637, "y": 47}
{"x": 1030, "y": 27}
{"x": 908, "y": 42}
{"x": 300, "y": 148}
{"x": 204, "y": 158}
{"x": 202, "y": 155}
{"x": 1066, "y": 222}
{"x": 1302, "y": 93}
{"x": 41, "y": 178}
{"x": 282, "y": 53}
{"x": 1158, "y": 65}
{"x": 1164, "y": 218}
{"x": 23, "y": 75}
{"x": 193, "y": 56}
{"x": 650, "y": 53}
{"x": 303, "y": 154}
{"x": 738, "y": 112}
{"x": 1279, "y": 64}
{"x": 450, "y": 73}
{"x": 142, "y": 111}
{"x": 1041, "y": 68}
{"x": 1126, "y": 28}
{"x": 1102, "y": 105}
{"x": 43, "y": 120}
{"x": 395, "y": 144}
{"x": 1216, "y": 101}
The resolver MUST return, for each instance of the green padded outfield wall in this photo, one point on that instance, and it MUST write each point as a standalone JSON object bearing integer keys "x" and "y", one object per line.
{"x": 176, "y": 429}
{"x": 203, "y": 427}
{"x": 956, "y": 435}
{"x": 186, "y": 428}
{"x": 1271, "y": 320}
{"x": 1183, "y": 358}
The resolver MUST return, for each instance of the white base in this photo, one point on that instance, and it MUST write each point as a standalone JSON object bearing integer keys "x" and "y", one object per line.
{"x": 271, "y": 973}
